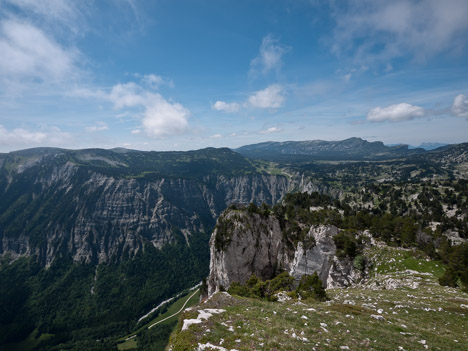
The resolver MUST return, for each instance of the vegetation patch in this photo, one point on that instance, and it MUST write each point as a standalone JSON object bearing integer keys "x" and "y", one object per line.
{"x": 224, "y": 230}
{"x": 158, "y": 330}
{"x": 310, "y": 286}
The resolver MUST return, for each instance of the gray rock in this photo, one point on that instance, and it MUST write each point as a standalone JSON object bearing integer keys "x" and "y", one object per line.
{"x": 111, "y": 217}
{"x": 257, "y": 246}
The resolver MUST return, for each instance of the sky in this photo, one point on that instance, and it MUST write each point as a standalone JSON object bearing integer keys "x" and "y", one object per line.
{"x": 181, "y": 75}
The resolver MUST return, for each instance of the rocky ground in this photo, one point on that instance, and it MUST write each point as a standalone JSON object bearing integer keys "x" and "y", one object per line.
{"x": 400, "y": 307}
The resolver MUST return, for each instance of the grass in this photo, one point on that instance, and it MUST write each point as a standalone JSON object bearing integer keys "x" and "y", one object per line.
{"x": 268, "y": 167}
{"x": 393, "y": 260}
{"x": 31, "y": 342}
{"x": 175, "y": 307}
{"x": 429, "y": 316}
{"x": 128, "y": 345}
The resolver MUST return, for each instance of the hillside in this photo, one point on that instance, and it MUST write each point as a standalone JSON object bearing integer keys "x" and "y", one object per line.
{"x": 389, "y": 276}
{"x": 408, "y": 311}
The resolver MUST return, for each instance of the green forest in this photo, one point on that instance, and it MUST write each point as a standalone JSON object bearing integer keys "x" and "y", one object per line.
{"x": 83, "y": 306}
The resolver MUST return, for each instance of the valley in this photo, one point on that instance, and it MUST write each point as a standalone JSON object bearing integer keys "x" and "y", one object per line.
{"x": 91, "y": 240}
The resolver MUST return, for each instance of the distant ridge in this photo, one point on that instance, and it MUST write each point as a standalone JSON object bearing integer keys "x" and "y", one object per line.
{"x": 429, "y": 146}
{"x": 348, "y": 149}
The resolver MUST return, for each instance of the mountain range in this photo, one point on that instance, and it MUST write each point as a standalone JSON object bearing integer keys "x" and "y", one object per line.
{"x": 349, "y": 149}
{"x": 91, "y": 240}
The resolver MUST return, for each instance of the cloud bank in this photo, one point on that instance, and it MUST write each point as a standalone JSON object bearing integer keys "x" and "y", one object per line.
{"x": 395, "y": 113}
{"x": 21, "y": 137}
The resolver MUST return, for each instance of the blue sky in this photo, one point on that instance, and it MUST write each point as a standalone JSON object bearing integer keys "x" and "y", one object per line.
{"x": 179, "y": 75}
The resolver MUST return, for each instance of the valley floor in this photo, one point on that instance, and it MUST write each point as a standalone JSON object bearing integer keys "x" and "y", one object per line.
{"x": 401, "y": 307}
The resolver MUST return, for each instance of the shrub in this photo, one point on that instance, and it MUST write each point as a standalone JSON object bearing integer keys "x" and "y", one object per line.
{"x": 464, "y": 279}
{"x": 255, "y": 287}
{"x": 252, "y": 208}
{"x": 224, "y": 228}
{"x": 264, "y": 210}
{"x": 346, "y": 244}
{"x": 449, "y": 278}
{"x": 311, "y": 286}
{"x": 282, "y": 282}
{"x": 359, "y": 263}
{"x": 259, "y": 289}
{"x": 457, "y": 267}
{"x": 237, "y": 288}
{"x": 253, "y": 280}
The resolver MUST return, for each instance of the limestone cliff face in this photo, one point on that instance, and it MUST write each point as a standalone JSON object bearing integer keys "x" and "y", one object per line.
{"x": 97, "y": 205}
{"x": 253, "y": 245}
{"x": 56, "y": 202}
{"x": 318, "y": 258}
{"x": 246, "y": 243}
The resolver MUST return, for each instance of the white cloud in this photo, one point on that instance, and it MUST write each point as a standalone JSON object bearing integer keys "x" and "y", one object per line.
{"x": 164, "y": 118}
{"x": 154, "y": 81}
{"x": 395, "y": 113}
{"x": 216, "y": 136}
{"x": 28, "y": 54}
{"x": 20, "y": 137}
{"x": 98, "y": 127}
{"x": 270, "y": 130}
{"x": 225, "y": 106}
{"x": 136, "y": 131}
{"x": 128, "y": 95}
{"x": 270, "y": 97}
{"x": 159, "y": 116}
{"x": 460, "y": 106}
{"x": 269, "y": 57}
{"x": 381, "y": 30}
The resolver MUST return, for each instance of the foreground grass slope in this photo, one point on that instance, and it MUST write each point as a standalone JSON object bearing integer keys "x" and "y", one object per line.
{"x": 400, "y": 307}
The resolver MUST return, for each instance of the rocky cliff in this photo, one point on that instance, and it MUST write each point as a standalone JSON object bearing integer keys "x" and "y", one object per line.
{"x": 99, "y": 204}
{"x": 246, "y": 243}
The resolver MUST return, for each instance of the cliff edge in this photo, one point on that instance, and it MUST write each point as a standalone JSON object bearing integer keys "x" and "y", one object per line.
{"x": 258, "y": 241}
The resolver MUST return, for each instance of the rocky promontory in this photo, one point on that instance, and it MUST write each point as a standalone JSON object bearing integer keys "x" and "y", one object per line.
{"x": 246, "y": 243}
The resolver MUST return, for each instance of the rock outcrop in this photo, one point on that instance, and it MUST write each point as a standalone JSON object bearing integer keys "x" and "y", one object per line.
{"x": 246, "y": 243}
